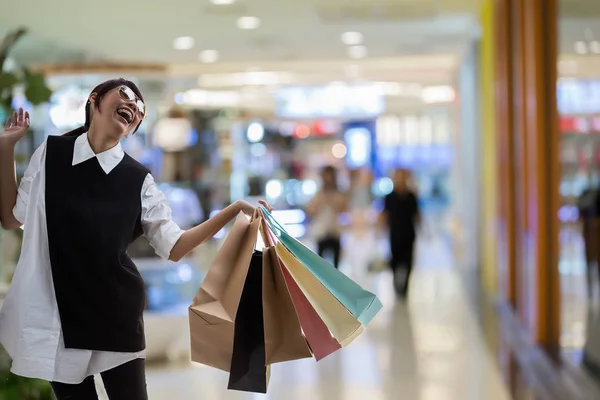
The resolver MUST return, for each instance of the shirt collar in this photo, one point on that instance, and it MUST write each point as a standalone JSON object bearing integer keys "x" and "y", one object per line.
{"x": 108, "y": 159}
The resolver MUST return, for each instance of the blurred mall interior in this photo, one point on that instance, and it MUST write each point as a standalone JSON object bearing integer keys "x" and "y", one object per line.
{"x": 493, "y": 105}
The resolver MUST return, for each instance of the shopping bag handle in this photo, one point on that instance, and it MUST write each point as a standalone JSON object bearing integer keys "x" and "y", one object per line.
{"x": 272, "y": 222}
{"x": 257, "y": 214}
{"x": 265, "y": 231}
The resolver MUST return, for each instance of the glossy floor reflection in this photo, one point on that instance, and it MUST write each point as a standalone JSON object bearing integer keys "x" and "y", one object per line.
{"x": 574, "y": 294}
{"x": 428, "y": 348}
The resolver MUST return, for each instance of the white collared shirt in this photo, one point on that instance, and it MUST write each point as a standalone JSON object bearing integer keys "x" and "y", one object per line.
{"x": 30, "y": 328}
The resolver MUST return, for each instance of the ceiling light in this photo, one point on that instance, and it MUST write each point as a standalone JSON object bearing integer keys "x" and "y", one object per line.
{"x": 209, "y": 56}
{"x": 437, "y": 94}
{"x": 248, "y": 23}
{"x": 352, "y": 38}
{"x": 595, "y": 46}
{"x": 222, "y": 2}
{"x": 183, "y": 43}
{"x": 357, "y": 51}
{"x": 580, "y": 47}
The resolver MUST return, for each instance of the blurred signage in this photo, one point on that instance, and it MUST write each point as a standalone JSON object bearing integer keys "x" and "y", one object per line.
{"x": 414, "y": 156}
{"x": 358, "y": 141}
{"x": 319, "y": 128}
{"x": 412, "y": 130}
{"x": 359, "y": 138}
{"x": 581, "y": 125}
{"x": 339, "y": 101}
{"x": 576, "y": 96}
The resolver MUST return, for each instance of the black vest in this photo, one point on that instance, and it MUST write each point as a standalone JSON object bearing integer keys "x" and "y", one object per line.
{"x": 92, "y": 217}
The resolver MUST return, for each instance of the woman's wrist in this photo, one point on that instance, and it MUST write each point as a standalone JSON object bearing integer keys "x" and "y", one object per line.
{"x": 7, "y": 145}
{"x": 237, "y": 206}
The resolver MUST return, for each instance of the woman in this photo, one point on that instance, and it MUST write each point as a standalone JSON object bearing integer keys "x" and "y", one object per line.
{"x": 324, "y": 210}
{"x": 75, "y": 306}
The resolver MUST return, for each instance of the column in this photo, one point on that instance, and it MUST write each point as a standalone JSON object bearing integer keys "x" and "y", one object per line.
{"x": 520, "y": 161}
{"x": 489, "y": 174}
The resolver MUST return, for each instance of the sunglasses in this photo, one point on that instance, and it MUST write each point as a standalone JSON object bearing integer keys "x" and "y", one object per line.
{"x": 126, "y": 93}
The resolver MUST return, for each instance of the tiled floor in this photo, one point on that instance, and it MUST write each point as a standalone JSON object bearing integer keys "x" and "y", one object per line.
{"x": 429, "y": 348}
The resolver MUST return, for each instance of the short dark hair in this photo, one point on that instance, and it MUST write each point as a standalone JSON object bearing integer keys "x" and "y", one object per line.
{"x": 329, "y": 169}
{"x": 101, "y": 90}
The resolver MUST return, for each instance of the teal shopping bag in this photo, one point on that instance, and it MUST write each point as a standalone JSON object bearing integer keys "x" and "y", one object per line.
{"x": 363, "y": 304}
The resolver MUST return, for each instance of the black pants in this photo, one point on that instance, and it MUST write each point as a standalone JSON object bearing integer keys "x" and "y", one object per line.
{"x": 402, "y": 259}
{"x": 330, "y": 243}
{"x": 125, "y": 382}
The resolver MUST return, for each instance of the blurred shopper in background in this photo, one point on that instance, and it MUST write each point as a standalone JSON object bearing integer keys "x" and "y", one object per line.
{"x": 401, "y": 216}
{"x": 360, "y": 243}
{"x": 324, "y": 210}
{"x": 203, "y": 191}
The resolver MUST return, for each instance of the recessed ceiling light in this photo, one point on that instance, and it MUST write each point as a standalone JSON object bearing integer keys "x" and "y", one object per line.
{"x": 357, "y": 51}
{"x": 248, "y": 23}
{"x": 222, "y": 2}
{"x": 352, "y": 38}
{"x": 595, "y": 47}
{"x": 209, "y": 56}
{"x": 580, "y": 47}
{"x": 183, "y": 43}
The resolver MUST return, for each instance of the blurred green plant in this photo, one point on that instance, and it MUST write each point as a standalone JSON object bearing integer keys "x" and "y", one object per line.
{"x": 36, "y": 90}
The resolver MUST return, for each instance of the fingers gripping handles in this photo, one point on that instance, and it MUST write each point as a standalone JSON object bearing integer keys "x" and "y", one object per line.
{"x": 264, "y": 230}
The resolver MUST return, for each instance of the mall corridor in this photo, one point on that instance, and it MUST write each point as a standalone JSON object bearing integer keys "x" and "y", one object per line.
{"x": 468, "y": 127}
{"x": 428, "y": 348}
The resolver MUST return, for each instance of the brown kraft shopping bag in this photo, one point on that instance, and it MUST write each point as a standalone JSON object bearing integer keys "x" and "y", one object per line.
{"x": 213, "y": 310}
{"x": 284, "y": 339}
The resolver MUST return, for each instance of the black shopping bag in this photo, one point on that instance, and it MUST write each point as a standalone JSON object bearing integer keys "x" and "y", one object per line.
{"x": 248, "y": 371}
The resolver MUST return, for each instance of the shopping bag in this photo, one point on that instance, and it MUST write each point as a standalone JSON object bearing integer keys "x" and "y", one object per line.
{"x": 363, "y": 304}
{"x": 317, "y": 334}
{"x": 284, "y": 337}
{"x": 284, "y": 340}
{"x": 214, "y": 308}
{"x": 249, "y": 371}
{"x": 344, "y": 326}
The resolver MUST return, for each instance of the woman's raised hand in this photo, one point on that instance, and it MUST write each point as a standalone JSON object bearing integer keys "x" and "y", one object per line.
{"x": 249, "y": 209}
{"x": 15, "y": 127}
{"x": 266, "y": 205}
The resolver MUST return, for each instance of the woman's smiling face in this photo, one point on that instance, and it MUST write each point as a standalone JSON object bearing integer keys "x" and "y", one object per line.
{"x": 120, "y": 111}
